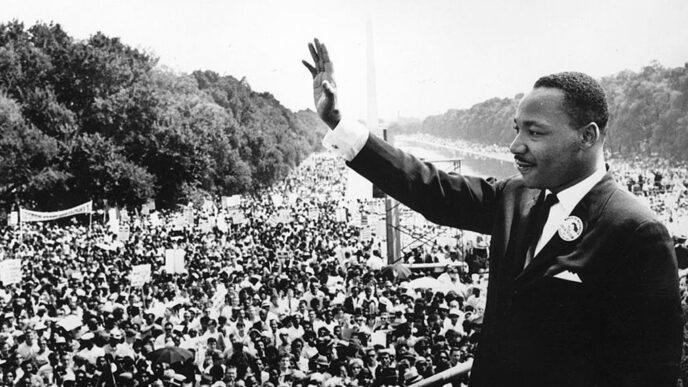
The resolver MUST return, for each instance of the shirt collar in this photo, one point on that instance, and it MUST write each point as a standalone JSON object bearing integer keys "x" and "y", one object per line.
{"x": 570, "y": 197}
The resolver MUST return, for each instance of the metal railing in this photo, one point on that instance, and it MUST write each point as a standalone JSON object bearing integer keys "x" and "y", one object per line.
{"x": 445, "y": 376}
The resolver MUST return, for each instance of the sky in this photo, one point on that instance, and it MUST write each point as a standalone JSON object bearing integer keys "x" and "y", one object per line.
{"x": 429, "y": 56}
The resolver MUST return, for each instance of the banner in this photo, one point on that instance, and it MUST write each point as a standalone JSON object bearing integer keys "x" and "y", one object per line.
{"x": 10, "y": 271}
{"x": 37, "y": 216}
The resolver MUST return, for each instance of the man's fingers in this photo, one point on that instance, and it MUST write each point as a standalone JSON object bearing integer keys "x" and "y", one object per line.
{"x": 323, "y": 54}
{"x": 314, "y": 54}
{"x": 310, "y": 68}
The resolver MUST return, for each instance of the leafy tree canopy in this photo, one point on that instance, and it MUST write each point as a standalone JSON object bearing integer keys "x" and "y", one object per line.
{"x": 97, "y": 119}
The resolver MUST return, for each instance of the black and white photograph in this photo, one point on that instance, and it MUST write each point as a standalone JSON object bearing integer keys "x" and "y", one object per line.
{"x": 381, "y": 193}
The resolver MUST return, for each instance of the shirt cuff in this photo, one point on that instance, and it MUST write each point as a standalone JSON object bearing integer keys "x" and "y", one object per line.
{"x": 347, "y": 139}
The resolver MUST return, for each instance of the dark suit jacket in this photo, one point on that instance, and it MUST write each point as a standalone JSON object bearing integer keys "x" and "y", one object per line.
{"x": 621, "y": 326}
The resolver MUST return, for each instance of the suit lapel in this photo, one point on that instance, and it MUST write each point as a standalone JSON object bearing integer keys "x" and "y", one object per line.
{"x": 555, "y": 255}
{"x": 519, "y": 228}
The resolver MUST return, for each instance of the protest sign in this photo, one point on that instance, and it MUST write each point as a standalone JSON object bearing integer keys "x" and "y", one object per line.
{"x": 381, "y": 229}
{"x": 231, "y": 201}
{"x": 378, "y": 338}
{"x": 340, "y": 215}
{"x": 355, "y": 219}
{"x": 123, "y": 234}
{"x": 13, "y": 219}
{"x": 174, "y": 261}
{"x": 238, "y": 217}
{"x": 10, "y": 271}
{"x": 151, "y": 204}
{"x": 155, "y": 220}
{"x": 208, "y": 206}
{"x": 277, "y": 199}
{"x": 205, "y": 226}
{"x": 140, "y": 274}
{"x": 222, "y": 224}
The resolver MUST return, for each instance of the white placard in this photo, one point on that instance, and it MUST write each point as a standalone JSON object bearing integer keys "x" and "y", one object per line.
{"x": 340, "y": 215}
{"x": 222, "y": 224}
{"x": 155, "y": 220}
{"x": 140, "y": 274}
{"x": 174, "y": 261}
{"x": 231, "y": 201}
{"x": 123, "y": 234}
{"x": 10, "y": 271}
{"x": 13, "y": 219}
{"x": 366, "y": 234}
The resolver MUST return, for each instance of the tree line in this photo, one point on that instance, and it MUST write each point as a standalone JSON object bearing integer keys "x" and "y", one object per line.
{"x": 99, "y": 120}
{"x": 648, "y": 116}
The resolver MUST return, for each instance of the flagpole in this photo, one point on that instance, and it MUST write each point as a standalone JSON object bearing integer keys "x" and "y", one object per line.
{"x": 21, "y": 229}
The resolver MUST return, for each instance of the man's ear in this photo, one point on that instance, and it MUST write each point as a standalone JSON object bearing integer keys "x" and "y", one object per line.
{"x": 589, "y": 135}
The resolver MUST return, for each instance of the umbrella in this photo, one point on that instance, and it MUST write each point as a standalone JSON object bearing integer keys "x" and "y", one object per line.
{"x": 457, "y": 287}
{"x": 170, "y": 355}
{"x": 395, "y": 271}
{"x": 425, "y": 283}
{"x": 70, "y": 322}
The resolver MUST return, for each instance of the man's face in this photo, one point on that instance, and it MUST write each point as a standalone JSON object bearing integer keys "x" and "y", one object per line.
{"x": 546, "y": 148}
{"x": 231, "y": 374}
{"x": 455, "y": 357}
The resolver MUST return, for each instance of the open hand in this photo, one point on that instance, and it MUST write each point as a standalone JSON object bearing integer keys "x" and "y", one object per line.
{"x": 324, "y": 86}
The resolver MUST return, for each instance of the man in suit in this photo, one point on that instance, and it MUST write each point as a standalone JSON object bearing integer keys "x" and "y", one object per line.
{"x": 583, "y": 286}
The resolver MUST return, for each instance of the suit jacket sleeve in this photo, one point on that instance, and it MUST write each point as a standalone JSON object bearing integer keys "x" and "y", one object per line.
{"x": 445, "y": 198}
{"x": 641, "y": 316}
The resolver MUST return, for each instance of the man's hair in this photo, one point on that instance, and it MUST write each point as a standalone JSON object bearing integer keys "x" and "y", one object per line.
{"x": 584, "y": 98}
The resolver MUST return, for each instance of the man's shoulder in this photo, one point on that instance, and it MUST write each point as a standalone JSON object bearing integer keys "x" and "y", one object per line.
{"x": 626, "y": 208}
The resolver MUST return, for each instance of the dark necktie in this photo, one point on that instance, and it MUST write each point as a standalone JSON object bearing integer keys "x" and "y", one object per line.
{"x": 538, "y": 223}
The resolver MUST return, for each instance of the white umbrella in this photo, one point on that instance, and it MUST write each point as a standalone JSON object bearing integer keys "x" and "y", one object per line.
{"x": 425, "y": 283}
{"x": 70, "y": 322}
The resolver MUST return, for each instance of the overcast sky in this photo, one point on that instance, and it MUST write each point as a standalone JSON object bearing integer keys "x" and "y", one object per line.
{"x": 430, "y": 55}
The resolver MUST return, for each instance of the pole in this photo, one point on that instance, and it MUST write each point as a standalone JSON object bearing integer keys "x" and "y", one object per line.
{"x": 392, "y": 225}
{"x": 445, "y": 376}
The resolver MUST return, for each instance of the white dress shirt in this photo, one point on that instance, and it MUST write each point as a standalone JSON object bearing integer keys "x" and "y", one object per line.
{"x": 568, "y": 199}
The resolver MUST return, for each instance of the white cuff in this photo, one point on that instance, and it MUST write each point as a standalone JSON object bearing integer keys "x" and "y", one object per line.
{"x": 347, "y": 139}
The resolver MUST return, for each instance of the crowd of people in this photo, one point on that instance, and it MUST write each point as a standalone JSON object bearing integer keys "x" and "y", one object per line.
{"x": 285, "y": 288}
{"x": 661, "y": 183}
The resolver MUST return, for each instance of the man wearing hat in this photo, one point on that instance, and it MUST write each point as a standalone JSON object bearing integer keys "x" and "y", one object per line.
{"x": 411, "y": 376}
{"x": 454, "y": 322}
{"x": 89, "y": 351}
